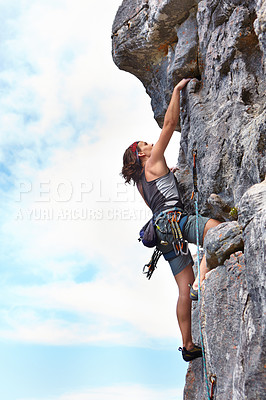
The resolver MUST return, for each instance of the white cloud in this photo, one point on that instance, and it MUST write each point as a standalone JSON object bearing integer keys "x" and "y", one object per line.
{"x": 119, "y": 294}
{"x": 112, "y": 308}
{"x": 67, "y": 116}
{"x": 131, "y": 392}
{"x": 56, "y": 65}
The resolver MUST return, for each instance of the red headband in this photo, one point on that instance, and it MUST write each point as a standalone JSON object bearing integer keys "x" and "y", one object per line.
{"x": 133, "y": 147}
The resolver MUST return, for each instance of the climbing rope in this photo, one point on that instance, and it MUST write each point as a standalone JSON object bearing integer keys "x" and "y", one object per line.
{"x": 195, "y": 195}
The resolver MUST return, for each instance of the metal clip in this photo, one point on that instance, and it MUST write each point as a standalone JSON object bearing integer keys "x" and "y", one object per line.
{"x": 150, "y": 269}
{"x": 146, "y": 268}
{"x": 183, "y": 244}
{"x": 176, "y": 247}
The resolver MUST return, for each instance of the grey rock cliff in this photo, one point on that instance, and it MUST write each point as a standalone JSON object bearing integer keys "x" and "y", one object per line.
{"x": 232, "y": 313}
{"x": 222, "y": 45}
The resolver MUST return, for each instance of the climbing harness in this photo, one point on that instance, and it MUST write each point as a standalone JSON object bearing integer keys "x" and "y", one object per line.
{"x": 149, "y": 268}
{"x": 176, "y": 223}
{"x": 195, "y": 195}
{"x": 169, "y": 223}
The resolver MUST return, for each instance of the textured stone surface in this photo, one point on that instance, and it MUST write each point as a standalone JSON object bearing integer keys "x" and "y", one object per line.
{"x": 260, "y": 27}
{"x": 252, "y": 217}
{"x": 223, "y": 304}
{"x": 153, "y": 40}
{"x": 232, "y": 314}
{"x": 225, "y": 326}
{"x": 221, "y": 241}
{"x": 222, "y": 45}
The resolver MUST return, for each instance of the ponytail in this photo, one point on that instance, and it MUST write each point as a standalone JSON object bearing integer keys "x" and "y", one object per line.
{"x": 132, "y": 168}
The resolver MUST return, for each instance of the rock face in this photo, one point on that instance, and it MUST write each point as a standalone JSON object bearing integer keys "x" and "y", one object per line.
{"x": 231, "y": 314}
{"x": 222, "y": 45}
{"x": 223, "y": 305}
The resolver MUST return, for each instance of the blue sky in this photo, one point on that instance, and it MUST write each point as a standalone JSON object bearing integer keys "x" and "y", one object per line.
{"x": 78, "y": 321}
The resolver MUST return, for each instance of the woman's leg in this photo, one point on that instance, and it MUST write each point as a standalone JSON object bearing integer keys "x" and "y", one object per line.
{"x": 203, "y": 265}
{"x": 183, "y": 308}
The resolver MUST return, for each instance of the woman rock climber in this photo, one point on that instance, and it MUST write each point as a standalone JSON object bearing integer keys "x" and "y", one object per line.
{"x": 145, "y": 165}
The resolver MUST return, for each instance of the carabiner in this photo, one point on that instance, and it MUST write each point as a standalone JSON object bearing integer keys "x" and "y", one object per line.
{"x": 176, "y": 247}
{"x": 183, "y": 247}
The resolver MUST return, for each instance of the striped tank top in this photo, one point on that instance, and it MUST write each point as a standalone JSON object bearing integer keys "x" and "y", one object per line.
{"x": 161, "y": 193}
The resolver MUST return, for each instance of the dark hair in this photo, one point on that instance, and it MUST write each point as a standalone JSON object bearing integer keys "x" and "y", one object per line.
{"x": 132, "y": 168}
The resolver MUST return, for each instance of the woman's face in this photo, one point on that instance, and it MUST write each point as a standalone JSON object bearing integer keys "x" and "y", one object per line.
{"x": 145, "y": 148}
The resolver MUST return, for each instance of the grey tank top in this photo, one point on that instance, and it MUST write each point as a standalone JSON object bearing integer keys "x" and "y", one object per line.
{"x": 161, "y": 193}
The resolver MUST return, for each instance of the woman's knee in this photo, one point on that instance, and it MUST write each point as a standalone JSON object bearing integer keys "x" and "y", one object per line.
{"x": 211, "y": 223}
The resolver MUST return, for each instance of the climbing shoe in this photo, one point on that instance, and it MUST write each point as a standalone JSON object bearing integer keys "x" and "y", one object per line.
{"x": 189, "y": 355}
{"x": 193, "y": 294}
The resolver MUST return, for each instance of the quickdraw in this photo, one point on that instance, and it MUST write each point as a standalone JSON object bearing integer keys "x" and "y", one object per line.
{"x": 179, "y": 244}
{"x": 149, "y": 268}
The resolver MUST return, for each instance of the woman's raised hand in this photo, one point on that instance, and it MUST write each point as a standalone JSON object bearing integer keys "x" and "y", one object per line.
{"x": 182, "y": 83}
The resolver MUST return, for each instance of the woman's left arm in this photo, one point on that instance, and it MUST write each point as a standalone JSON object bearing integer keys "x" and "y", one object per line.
{"x": 170, "y": 122}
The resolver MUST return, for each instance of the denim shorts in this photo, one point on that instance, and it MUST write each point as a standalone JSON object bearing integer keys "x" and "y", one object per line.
{"x": 178, "y": 263}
